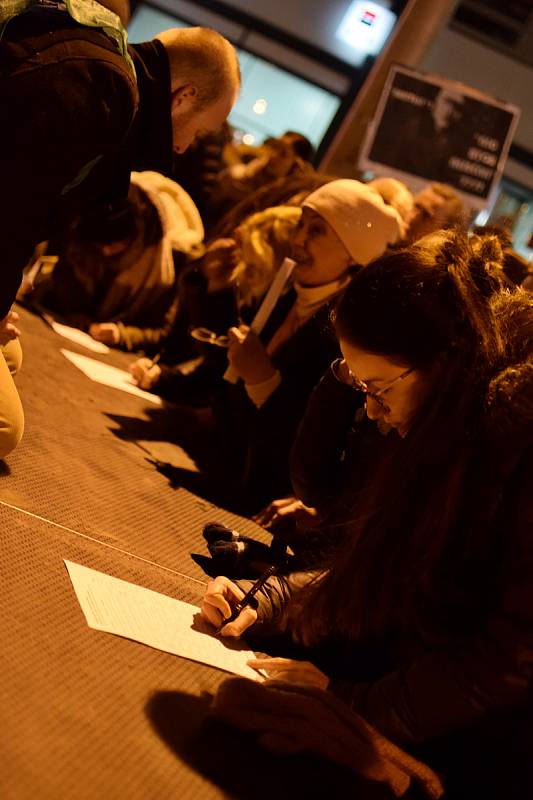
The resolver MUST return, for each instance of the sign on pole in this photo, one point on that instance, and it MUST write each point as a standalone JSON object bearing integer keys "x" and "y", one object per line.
{"x": 428, "y": 128}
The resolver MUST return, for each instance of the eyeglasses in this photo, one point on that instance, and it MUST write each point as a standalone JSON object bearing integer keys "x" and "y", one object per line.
{"x": 343, "y": 374}
{"x": 209, "y": 337}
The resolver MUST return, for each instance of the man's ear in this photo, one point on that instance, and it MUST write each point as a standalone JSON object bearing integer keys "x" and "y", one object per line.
{"x": 184, "y": 97}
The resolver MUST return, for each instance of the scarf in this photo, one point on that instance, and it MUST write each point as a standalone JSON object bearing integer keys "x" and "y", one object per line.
{"x": 309, "y": 299}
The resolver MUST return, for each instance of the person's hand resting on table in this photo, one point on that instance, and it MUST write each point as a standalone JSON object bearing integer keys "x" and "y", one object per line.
{"x": 289, "y": 670}
{"x": 145, "y": 373}
{"x": 286, "y": 509}
{"x": 290, "y": 718}
{"x": 106, "y": 332}
{"x": 248, "y": 357}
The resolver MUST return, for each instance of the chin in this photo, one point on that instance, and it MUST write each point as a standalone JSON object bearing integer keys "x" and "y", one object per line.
{"x": 299, "y": 273}
{"x": 400, "y": 427}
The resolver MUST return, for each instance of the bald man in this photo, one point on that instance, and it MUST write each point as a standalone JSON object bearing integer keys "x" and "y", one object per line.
{"x": 79, "y": 109}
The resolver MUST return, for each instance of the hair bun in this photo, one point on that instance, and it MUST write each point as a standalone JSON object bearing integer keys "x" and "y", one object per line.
{"x": 509, "y": 402}
{"x": 486, "y": 261}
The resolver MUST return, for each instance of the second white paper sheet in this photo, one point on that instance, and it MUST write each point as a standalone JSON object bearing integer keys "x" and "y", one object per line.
{"x": 116, "y": 606}
{"x": 80, "y": 337}
{"x": 108, "y": 375}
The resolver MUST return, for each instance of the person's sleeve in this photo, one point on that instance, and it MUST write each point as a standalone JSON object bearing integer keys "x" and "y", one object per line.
{"x": 260, "y": 392}
{"x": 276, "y": 421}
{"x": 316, "y": 459}
{"x": 133, "y": 337}
{"x": 169, "y": 383}
{"x": 275, "y": 595}
{"x": 446, "y": 690}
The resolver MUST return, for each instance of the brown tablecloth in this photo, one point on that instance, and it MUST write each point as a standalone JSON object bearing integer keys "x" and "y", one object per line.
{"x": 85, "y": 714}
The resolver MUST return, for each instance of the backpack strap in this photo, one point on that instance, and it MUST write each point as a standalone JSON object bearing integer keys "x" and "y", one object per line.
{"x": 88, "y": 13}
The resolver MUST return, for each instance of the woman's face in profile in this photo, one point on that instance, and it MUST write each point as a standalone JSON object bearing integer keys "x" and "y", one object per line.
{"x": 395, "y": 392}
{"x": 319, "y": 253}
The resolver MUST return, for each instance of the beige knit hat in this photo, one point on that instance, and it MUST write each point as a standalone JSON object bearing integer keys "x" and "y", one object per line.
{"x": 357, "y": 213}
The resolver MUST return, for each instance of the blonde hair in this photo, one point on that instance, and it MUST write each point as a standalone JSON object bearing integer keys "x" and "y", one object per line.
{"x": 203, "y": 58}
{"x": 265, "y": 239}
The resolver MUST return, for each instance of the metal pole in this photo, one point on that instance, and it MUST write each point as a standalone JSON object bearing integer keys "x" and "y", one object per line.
{"x": 415, "y": 31}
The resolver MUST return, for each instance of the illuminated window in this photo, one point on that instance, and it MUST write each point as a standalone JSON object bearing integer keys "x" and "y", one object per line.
{"x": 293, "y": 103}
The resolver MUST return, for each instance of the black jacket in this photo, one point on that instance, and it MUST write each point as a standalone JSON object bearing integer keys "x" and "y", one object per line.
{"x": 467, "y": 690}
{"x": 73, "y": 123}
{"x": 264, "y": 436}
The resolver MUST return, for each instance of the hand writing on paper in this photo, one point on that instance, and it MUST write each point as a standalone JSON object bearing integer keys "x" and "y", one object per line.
{"x": 219, "y": 600}
{"x": 8, "y": 329}
{"x": 291, "y": 671}
{"x": 248, "y": 357}
{"x": 145, "y": 373}
{"x": 106, "y": 332}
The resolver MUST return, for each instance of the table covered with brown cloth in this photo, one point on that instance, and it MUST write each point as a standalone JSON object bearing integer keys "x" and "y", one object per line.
{"x": 86, "y": 714}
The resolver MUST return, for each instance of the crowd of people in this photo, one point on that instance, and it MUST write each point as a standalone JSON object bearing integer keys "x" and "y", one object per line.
{"x": 379, "y": 422}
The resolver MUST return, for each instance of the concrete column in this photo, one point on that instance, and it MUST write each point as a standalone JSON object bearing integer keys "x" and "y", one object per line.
{"x": 415, "y": 31}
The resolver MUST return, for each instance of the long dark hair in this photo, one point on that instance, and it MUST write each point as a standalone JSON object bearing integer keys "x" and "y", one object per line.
{"x": 423, "y": 531}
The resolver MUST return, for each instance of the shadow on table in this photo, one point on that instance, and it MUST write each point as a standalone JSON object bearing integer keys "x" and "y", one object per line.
{"x": 188, "y": 428}
{"x": 193, "y": 433}
{"x": 5, "y": 469}
{"x": 232, "y": 760}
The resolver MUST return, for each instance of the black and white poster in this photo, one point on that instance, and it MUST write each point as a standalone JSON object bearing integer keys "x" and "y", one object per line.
{"x": 428, "y": 128}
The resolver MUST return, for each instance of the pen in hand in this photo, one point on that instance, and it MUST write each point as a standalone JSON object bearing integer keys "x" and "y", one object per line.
{"x": 248, "y": 597}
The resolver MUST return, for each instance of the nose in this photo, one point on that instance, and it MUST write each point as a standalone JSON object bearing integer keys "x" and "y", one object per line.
{"x": 373, "y": 409}
{"x": 298, "y": 238}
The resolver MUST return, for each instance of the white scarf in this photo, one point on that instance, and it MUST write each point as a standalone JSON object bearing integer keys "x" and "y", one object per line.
{"x": 309, "y": 299}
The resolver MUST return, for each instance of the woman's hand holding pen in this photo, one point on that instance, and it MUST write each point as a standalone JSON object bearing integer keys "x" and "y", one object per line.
{"x": 145, "y": 372}
{"x": 220, "y": 599}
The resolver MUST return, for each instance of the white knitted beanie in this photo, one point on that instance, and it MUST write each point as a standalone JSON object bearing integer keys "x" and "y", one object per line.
{"x": 357, "y": 213}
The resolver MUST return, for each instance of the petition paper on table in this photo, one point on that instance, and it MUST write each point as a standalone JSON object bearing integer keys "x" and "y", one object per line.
{"x": 116, "y": 606}
{"x": 108, "y": 375}
{"x": 79, "y": 337}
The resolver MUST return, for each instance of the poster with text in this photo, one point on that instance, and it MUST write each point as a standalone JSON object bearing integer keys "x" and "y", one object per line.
{"x": 428, "y": 128}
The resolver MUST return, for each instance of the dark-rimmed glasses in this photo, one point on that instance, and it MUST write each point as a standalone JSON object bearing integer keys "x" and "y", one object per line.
{"x": 350, "y": 380}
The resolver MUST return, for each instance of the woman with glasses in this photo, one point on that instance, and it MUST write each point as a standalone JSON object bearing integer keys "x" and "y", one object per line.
{"x": 429, "y": 602}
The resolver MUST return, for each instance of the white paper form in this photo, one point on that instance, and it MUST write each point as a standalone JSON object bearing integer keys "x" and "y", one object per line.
{"x": 109, "y": 376}
{"x": 80, "y": 337}
{"x": 267, "y": 306}
{"x": 272, "y": 296}
{"x": 128, "y": 610}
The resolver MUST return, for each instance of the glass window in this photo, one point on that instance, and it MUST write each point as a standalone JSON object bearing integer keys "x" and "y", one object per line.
{"x": 513, "y": 210}
{"x": 272, "y": 100}
{"x": 146, "y": 22}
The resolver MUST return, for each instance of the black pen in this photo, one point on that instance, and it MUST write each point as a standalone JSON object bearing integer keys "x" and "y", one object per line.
{"x": 155, "y": 360}
{"x": 250, "y": 594}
